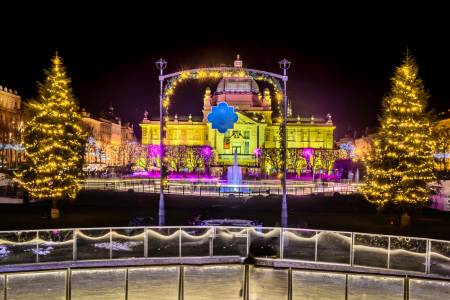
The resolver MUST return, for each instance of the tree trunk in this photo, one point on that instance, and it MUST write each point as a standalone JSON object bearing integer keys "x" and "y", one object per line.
{"x": 54, "y": 213}
{"x": 405, "y": 218}
{"x": 379, "y": 210}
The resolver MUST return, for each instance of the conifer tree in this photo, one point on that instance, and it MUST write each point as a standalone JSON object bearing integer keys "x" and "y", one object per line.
{"x": 54, "y": 140}
{"x": 400, "y": 165}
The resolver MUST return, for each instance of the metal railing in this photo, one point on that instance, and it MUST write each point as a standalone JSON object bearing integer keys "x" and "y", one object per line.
{"x": 218, "y": 189}
{"x": 10, "y": 191}
{"x": 233, "y": 281}
{"x": 425, "y": 256}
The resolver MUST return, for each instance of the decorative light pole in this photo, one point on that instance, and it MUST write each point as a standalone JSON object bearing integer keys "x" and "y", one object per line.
{"x": 284, "y": 65}
{"x": 161, "y": 64}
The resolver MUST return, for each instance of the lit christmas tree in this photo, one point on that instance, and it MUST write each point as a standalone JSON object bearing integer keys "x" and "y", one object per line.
{"x": 54, "y": 140}
{"x": 400, "y": 165}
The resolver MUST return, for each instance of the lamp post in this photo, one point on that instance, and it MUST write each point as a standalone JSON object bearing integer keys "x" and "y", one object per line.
{"x": 161, "y": 64}
{"x": 284, "y": 65}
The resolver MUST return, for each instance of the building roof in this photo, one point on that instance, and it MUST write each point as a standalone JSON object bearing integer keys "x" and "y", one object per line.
{"x": 237, "y": 85}
{"x": 177, "y": 118}
{"x": 253, "y": 117}
{"x": 6, "y": 90}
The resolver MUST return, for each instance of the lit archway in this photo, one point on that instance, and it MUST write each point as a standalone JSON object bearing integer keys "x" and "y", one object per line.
{"x": 174, "y": 79}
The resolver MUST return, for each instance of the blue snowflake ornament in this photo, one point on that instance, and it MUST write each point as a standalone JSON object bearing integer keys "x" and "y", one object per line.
{"x": 222, "y": 117}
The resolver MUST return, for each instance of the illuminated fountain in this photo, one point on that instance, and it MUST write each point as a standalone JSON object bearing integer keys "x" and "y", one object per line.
{"x": 234, "y": 174}
{"x": 234, "y": 179}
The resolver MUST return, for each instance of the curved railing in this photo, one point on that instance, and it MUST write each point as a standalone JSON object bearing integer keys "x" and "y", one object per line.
{"x": 425, "y": 256}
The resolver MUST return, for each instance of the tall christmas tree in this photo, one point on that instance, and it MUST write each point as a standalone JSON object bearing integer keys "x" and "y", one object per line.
{"x": 401, "y": 161}
{"x": 54, "y": 140}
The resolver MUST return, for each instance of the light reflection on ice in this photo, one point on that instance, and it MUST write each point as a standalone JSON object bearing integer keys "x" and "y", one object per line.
{"x": 118, "y": 246}
{"x": 4, "y": 251}
{"x": 40, "y": 251}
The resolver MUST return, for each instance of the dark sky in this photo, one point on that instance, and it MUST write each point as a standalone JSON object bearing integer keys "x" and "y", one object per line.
{"x": 340, "y": 65}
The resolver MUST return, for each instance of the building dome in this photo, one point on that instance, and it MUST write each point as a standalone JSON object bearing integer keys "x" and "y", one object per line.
{"x": 237, "y": 85}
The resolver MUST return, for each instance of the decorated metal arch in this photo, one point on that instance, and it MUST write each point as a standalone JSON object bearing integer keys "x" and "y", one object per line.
{"x": 175, "y": 79}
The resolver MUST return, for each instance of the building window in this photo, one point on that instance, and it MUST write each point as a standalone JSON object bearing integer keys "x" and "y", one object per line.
{"x": 319, "y": 137}
{"x": 290, "y": 135}
{"x": 171, "y": 135}
{"x": 144, "y": 133}
{"x": 246, "y": 134}
{"x": 246, "y": 147}
{"x": 305, "y": 136}
{"x": 276, "y": 135}
{"x": 236, "y": 149}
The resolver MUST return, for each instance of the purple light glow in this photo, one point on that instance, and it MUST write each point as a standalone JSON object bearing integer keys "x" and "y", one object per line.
{"x": 173, "y": 176}
{"x": 194, "y": 178}
{"x": 145, "y": 174}
{"x": 153, "y": 150}
{"x": 206, "y": 152}
{"x": 257, "y": 152}
{"x": 307, "y": 152}
{"x": 309, "y": 177}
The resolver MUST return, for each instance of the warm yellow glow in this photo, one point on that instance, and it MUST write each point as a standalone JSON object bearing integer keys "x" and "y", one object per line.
{"x": 53, "y": 140}
{"x": 401, "y": 161}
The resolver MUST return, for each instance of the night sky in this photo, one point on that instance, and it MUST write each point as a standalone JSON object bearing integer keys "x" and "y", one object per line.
{"x": 340, "y": 65}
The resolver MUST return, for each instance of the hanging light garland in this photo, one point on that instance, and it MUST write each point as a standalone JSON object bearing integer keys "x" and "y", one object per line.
{"x": 202, "y": 74}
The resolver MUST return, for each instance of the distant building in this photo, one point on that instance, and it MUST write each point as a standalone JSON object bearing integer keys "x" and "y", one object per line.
{"x": 110, "y": 143}
{"x": 11, "y": 125}
{"x": 363, "y": 146}
{"x": 442, "y": 155}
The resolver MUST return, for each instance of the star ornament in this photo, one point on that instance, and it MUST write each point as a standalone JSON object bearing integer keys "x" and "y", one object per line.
{"x": 222, "y": 117}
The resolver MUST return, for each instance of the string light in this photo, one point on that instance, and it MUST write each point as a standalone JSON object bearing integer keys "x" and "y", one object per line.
{"x": 202, "y": 74}
{"x": 53, "y": 139}
{"x": 401, "y": 162}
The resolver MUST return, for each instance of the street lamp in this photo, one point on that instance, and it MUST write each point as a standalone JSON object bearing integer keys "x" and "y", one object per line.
{"x": 284, "y": 65}
{"x": 161, "y": 64}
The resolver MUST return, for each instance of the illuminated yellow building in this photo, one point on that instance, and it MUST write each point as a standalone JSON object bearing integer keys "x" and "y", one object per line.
{"x": 256, "y": 127}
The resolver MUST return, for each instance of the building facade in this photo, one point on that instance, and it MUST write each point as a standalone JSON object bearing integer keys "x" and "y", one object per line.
{"x": 110, "y": 142}
{"x": 11, "y": 125}
{"x": 442, "y": 155}
{"x": 257, "y": 127}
